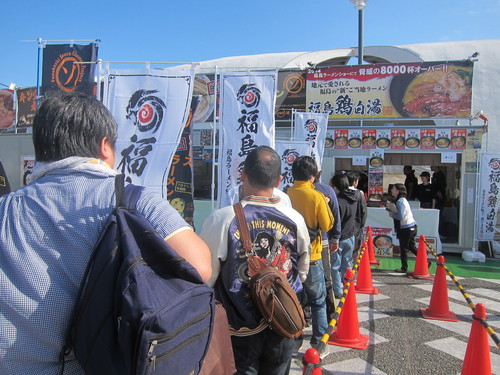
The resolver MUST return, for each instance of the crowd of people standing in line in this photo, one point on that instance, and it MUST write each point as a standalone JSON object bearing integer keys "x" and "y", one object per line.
{"x": 312, "y": 234}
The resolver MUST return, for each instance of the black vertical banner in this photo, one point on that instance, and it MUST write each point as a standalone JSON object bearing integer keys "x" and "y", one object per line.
{"x": 61, "y": 72}
{"x": 4, "y": 182}
{"x": 180, "y": 178}
{"x": 26, "y": 106}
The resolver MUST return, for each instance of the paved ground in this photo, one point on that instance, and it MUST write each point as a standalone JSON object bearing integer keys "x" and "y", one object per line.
{"x": 401, "y": 341}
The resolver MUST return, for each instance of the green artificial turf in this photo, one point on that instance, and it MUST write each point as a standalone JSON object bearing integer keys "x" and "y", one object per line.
{"x": 490, "y": 269}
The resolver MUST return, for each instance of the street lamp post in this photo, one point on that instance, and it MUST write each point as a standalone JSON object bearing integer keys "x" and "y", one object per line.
{"x": 360, "y": 6}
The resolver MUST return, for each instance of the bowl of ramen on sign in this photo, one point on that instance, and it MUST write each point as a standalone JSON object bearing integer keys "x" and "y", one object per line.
{"x": 458, "y": 141}
{"x": 376, "y": 161}
{"x": 412, "y": 142}
{"x": 397, "y": 141}
{"x": 369, "y": 141}
{"x": 384, "y": 244}
{"x": 427, "y": 141}
{"x": 341, "y": 141}
{"x": 354, "y": 142}
{"x": 383, "y": 142}
{"x": 442, "y": 142}
{"x": 328, "y": 143}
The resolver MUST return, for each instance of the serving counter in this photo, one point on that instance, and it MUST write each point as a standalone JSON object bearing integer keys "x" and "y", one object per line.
{"x": 427, "y": 223}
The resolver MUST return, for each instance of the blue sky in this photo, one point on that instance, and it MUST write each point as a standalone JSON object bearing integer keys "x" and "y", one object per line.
{"x": 192, "y": 30}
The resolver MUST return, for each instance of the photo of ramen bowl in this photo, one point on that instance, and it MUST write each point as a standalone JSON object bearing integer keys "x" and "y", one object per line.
{"x": 369, "y": 140}
{"x": 442, "y": 142}
{"x": 383, "y": 142}
{"x": 341, "y": 141}
{"x": 397, "y": 141}
{"x": 427, "y": 141}
{"x": 376, "y": 161}
{"x": 375, "y": 197}
{"x": 412, "y": 142}
{"x": 458, "y": 141}
{"x": 354, "y": 142}
{"x": 383, "y": 242}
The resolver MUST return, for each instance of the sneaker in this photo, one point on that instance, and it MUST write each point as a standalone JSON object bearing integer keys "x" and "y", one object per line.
{"x": 323, "y": 352}
{"x": 400, "y": 270}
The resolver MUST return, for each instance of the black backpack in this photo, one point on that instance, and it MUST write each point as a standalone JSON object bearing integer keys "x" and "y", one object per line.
{"x": 142, "y": 308}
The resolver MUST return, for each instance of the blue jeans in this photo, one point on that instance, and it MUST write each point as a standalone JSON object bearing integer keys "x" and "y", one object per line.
{"x": 315, "y": 290}
{"x": 341, "y": 260}
{"x": 265, "y": 353}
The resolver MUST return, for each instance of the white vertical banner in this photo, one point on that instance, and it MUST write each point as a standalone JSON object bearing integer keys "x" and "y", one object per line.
{"x": 288, "y": 151}
{"x": 246, "y": 121}
{"x": 311, "y": 127}
{"x": 488, "y": 195}
{"x": 151, "y": 109}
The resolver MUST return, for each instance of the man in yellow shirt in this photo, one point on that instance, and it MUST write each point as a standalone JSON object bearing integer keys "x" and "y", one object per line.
{"x": 312, "y": 205}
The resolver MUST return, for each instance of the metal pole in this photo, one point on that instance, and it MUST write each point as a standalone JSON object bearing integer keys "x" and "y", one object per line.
{"x": 360, "y": 36}
{"x": 40, "y": 46}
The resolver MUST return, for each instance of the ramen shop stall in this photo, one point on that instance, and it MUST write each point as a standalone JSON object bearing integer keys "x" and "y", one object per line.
{"x": 381, "y": 152}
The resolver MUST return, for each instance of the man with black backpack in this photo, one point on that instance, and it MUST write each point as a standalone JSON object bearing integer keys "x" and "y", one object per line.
{"x": 49, "y": 228}
{"x": 279, "y": 238}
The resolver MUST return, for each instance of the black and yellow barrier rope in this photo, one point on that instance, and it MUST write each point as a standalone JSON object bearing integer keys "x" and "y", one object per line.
{"x": 484, "y": 323}
{"x": 331, "y": 326}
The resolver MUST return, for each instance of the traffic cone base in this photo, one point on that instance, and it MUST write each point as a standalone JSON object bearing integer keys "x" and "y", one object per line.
{"x": 411, "y": 275}
{"x": 360, "y": 342}
{"x": 448, "y": 316}
{"x": 372, "y": 290}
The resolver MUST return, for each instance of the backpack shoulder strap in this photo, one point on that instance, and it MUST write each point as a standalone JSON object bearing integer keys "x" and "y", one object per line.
{"x": 126, "y": 196}
{"x": 242, "y": 226}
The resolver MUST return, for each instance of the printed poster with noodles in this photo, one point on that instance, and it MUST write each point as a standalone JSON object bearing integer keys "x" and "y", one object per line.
{"x": 427, "y": 139}
{"x": 354, "y": 141}
{"x": 247, "y": 121}
{"x": 458, "y": 139}
{"x": 382, "y": 241}
{"x": 376, "y": 177}
{"x": 151, "y": 109}
{"x": 383, "y": 138}
{"x": 311, "y": 127}
{"x": 7, "y": 109}
{"x": 443, "y": 140}
{"x": 398, "y": 138}
{"x": 420, "y": 89}
{"x": 369, "y": 139}
{"x": 288, "y": 152}
{"x": 341, "y": 139}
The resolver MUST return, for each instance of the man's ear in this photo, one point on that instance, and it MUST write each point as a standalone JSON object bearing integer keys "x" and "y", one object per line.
{"x": 279, "y": 181}
{"x": 107, "y": 152}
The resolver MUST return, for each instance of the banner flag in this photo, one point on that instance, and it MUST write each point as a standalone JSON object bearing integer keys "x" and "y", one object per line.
{"x": 247, "y": 121}
{"x": 7, "y": 109}
{"x": 4, "y": 181}
{"x": 488, "y": 203}
{"x": 151, "y": 109}
{"x": 288, "y": 151}
{"x": 311, "y": 127}
{"x": 291, "y": 93}
{"x": 60, "y": 72}
{"x": 180, "y": 177}
{"x": 417, "y": 89}
{"x": 26, "y": 106}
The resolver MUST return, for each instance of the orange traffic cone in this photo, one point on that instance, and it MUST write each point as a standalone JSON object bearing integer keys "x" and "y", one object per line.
{"x": 347, "y": 333}
{"x": 421, "y": 270}
{"x": 371, "y": 248}
{"x": 438, "y": 306}
{"x": 364, "y": 283}
{"x": 312, "y": 361}
{"x": 477, "y": 359}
